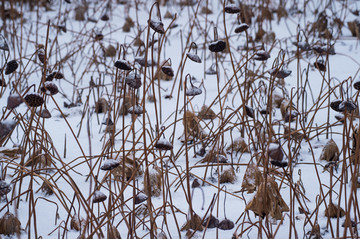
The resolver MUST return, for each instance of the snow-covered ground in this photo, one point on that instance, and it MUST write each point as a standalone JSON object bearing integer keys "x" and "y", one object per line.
{"x": 81, "y": 147}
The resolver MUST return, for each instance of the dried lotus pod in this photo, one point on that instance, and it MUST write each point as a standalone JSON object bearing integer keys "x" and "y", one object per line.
{"x": 9, "y": 224}
{"x": 193, "y": 91}
{"x": 129, "y": 23}
{"x": 347, "y": 105}
{"x": 157, "y": 26}
{"x": 11, "y": 66}
{"x": 249, "y": 111}
{"x": 320, "y": 65}
{"x": 3, "y": 44}
{"x": 163, "y": 144}
{"x": 34, "y": 99}
{"x": 77, "y": 223}
{"x": 110, "y": 164}
{"x": 193, "y": 57}
{"x": 252, "y": 178}
{"x": 133, "y": 80}
{"x": 193, "y": 223}
{"x": 140, "y": 197}
{"x": 330, "y": 152}
{"x": 168, "y": 71}
{"x": 335, "y": 105}
{"x": 123, "y": 65}
{"x": 136, "y": 109}
{"x": 241, "y": 28}
{"x": 280, "y": 73}
{"x": 262, "y": 55}
{"x": 290, "y": 116}
{"x": 105, "y": 17}
{"x": 357, "y": 85}
{"x": 226, "y": 224}
{"x": 217, "y": 46}
{"x": 304, "y": 46}
{"x": 211, "y": 222}
{"x": 141, "y": 61}
{"x": 49, "y": 88}
{"x": 195, "y": 183}
{"x": 232, "y": 9}
{"x": 228, "y": 176}
{"x": 41, "y": 54}
{"x": 5, "y": 188}
{"x": 13, "y": 101}
{"x": 334, "y": 211}
{"x": 99, "y": 196}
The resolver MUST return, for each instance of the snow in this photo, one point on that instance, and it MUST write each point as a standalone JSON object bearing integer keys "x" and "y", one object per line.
{"x": 89, "y": 149}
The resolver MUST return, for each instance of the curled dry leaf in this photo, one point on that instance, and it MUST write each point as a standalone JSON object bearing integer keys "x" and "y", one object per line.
{"x": 330, "y": 152}
{"x": 47, "y": 188}
{"x": 5, "y": 188}
{"x": 39, "y": 160}
{"x": 132, "y": 167}
{"x": 193, "y": 223}
{"x": 154, "y": 182}
{"x": 206, "y": 113}
{"x": 77, "y": 223}
{"x": 252, "y": 178}
{"x": 238, "y": 145}
{"x": 228, "y": 176}
{"x": 192, "y": 124}
{"x": 334, "y": 211}
{"x": 9, "y": 224}
{"x": 268, "y": 200}
{"x": 101, "y": 106}
{"x": 113, "y": 233}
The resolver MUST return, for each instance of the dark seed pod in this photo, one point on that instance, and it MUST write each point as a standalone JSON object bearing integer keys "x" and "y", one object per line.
{"x": 168, "y": 71}
{"x": 58, "y": 75}
{"x": 304, "y": 46}
{"x": 2, "y": 82}
{"x": 49, "y": 88}
{"x": 133, "y": 80}
{"x": 141, "y": 61}
{"x": 249, "y": 111}
{"x": 281, "y": 164}
{"x": 195, "y": 183}
{"x": 99, "y": 36}
{"x": 123, "y": 65}
{"x": 347, "y": 105}
{"x": 99, "y": 197}
{"x": 5, "y": 188}
{"x": 280, "y": 73}
{"x": 193, "y": 57}
{"x": 241, "y": 28}
{"x": 335, "y": 105}
{"x": 289, "y": 117}
{"x": 11, "y": 66}
{"x": 232, "y": 9}
{"x": 264, "y": 111}
{"x": 211, "y": 222}
{"x": 14, "y": 101}
{"x": 226, "y": 224}
{"x": 320, "y": 65}
{"x": 217, "y": 46}
{"x": 140, "y": 197}
{"x": 262, "y": 56}
{"x": 357, "y": 85}
{"x": 323, "y": 50}
{"x": 275, "y": 152}
{"x": 136, "y": 109}
{"x": 41, "y": 55}
{"x": 157, "y": 26}
{"x": 110, "y": 164}
{"x": 193, "y": 91}
{"x": 105, "y": 17}
{"x": 163, "y": 144}
{"x": 34, "y": 99}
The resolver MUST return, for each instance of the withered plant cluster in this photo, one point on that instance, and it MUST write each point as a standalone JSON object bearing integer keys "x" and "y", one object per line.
{"x": 179, "y": 119}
